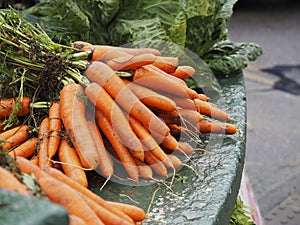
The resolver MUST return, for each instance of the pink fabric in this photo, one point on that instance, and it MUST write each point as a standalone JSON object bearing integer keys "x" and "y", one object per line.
{"x": 247, "y": 195}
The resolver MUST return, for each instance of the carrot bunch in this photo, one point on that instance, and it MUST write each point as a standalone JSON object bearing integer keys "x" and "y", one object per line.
{"x": 138, "y": 120}
{"x": 143, "y": 121}
{"x": 82, "y": 205}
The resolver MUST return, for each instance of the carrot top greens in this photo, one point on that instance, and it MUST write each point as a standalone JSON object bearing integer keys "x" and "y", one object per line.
{"x": 31, "y": 63}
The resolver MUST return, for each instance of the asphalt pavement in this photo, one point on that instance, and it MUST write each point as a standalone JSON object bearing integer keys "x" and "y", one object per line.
{"x": 273, "y": 105}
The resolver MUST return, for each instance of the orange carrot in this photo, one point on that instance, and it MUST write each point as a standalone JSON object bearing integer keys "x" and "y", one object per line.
{"x": 19, "y": 137}
{"x": 185, "y": 148}
{"x": 27, "y": 149}
{"x": 150, "y": 77}
{"x": 8, "y": 133}
{"x": 168, "y": 142}
{"x": 167, "y": 64}
{"x": 175, "y": 161}
{"x": 183, "y": 102}
{"x": 151, "y": 98}
{"x": 71, "y": 163}
{"x": 203, "y": 97}
{"x": 64, "y": 195}
{"x": 217, "y": 127}
{"x": 55, "y": 126}
{"x": 104, "y": 103}
{"x": 145, "y": 170}
{"x": 149, "y": 142}
{"x": 43, "y": 144}
{"x": 207, "y": 109}
{"x": 75, "y": 220}
{"x": 28, "y": 167}
{"x": 60, "y": 176}
{"x": 157, "y": 166}
{"x": 35, "y": 160}
{"x": 105, "y": 215}
{"x": 104, "y": 52}
{"x": 10, "y": 182}
{"x": 136, "y": 213}
{"x": 176, "y": 129}
{"x": 115, "y": 86}
{"x": 7, "y": 105}
{"x": 131, "y": 62}
{"x": 105, "y": 162}
{"x": 138, "y": 51}
{"x": 73, "y": 117}
{"x": 120, "y": 149}
{"x": 192, "y": 117}
{"x": 160, "y": 73}
{"x": 183, "y": 72}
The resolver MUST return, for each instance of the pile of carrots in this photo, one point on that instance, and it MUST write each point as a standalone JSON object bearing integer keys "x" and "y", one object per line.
{"x": 134, "y": 109}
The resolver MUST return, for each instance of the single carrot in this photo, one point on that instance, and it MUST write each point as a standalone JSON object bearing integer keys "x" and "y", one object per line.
{"x": 151, "y": 98}
{"x": 43, "y": 142}
{"x": 149, "y": 142}
{"x": 145, "y": 170}
{"x": 217, "y": 127}
{"x": 136, "y": 213}
{"x": 185, "y": 148}
{"x": 104, "y": 52}
{"x": 72, "y": 102}
{"x": 183, "y": 72}
{"x": 206, "y": 108}
{"x": 10, "y": 182}
{"x": 19, "y": 137}
{"x": 8, "y": 133}
{"x": 203, "y": 97}
{"x": 27, "y": 149}
{"x": 176, "y": 129}
{"x": 149, "y": 76}
{"x": 85, "y": 191}
{"x": 175, "y": 161}
{"x": 7, "y": 106}
{"x": 64, "y": 195}
{"x": 131, "y": 62}
{"x": 158, "y": 167}
{"x": 105, "y": 215}
{"x": 192, "y": 117}
{"x": 182, "y": 102}
{"x": 105, "y": 162}
{"x": 35, "y": 160}
{"x": 169, "y": 142}
{"x": 75, "y": 220}
{"x": 167, "y": 64}
{"x": 29, "y": 167}
{"x": 115, "y": 86}
{"x": 55, "y": 126}
{"x": 121, "y": 150}
{"x": 71, "y": 163}
{"x": 160, "y": 73}
{"x": 138, "y": 51}
{"x": 104, "y": 103}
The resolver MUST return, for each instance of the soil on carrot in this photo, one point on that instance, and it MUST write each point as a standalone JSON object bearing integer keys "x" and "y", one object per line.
{"x": 7, "y": 162}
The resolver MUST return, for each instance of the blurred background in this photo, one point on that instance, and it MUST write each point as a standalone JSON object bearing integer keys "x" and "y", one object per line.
{"x": 273, "y": 104}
